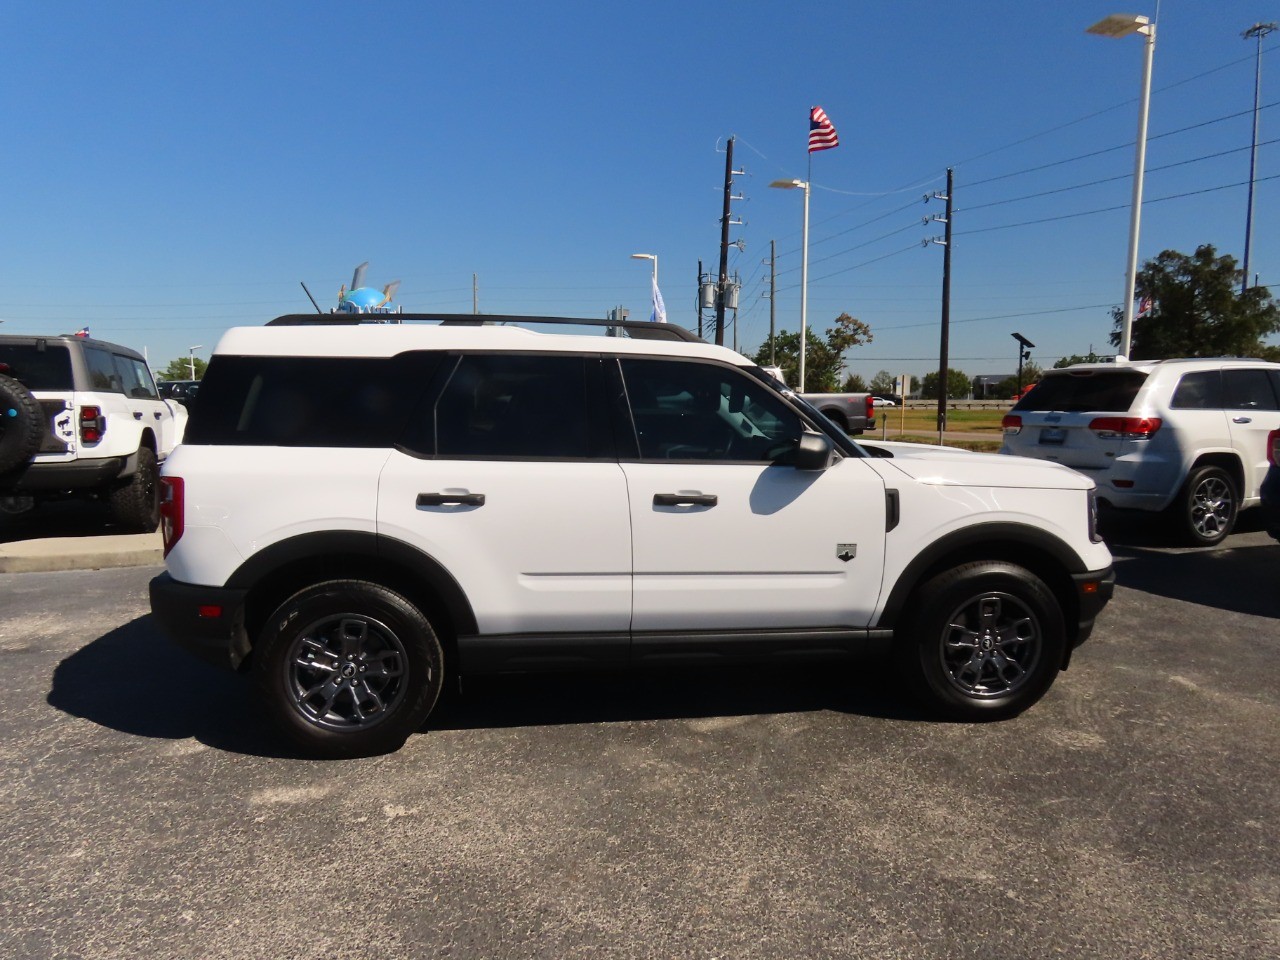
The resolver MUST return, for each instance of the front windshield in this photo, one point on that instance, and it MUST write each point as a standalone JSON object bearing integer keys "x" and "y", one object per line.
{"x": 844, "y": 443}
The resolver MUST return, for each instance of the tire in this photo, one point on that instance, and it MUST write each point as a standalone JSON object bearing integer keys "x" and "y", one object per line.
{"x": 985, "y": 642}
{"x": 348, "y": 668}
{"x": 1207, "y": 506}
{"x": 136, "y": 504}
{"x": 21, "y": 424}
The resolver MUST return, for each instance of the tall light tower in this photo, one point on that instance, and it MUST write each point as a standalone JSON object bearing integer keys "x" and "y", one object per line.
{"x": 804, "y": 269}
{"x": 1257, "y": 31}
{"x": 1123, "y": 25}
{"x": 191, "y": 357}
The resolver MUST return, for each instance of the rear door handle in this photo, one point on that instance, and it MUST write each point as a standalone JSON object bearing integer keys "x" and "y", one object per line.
{"x": 1242, "y": 419}
{"x": 137, "y": 414}
{"x": 685, "y": 499}
{"x": 442, "y": 499}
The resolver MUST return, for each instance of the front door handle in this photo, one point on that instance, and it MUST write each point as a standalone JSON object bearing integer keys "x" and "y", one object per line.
{"x": 685, "y": 499}
{"x": 1242, "y": 419}
{"x": 158, "y": 415}
{"x": 442, "y": 499}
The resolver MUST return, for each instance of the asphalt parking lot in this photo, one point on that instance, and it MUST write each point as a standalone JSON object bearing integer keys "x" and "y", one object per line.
{"x": 771, "y": 814}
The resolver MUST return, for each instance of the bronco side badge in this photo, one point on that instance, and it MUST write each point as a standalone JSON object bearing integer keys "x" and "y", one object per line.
{"x": 846, "y": 551}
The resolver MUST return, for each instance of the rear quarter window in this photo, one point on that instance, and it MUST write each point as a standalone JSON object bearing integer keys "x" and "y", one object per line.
{"x": 1112, "y": 391}
{"x": 308, "y": 401}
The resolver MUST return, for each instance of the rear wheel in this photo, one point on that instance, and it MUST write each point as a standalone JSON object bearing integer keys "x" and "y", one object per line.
{"x": 985, "y": 642}
{"x": 1208, "y": 506}
{"x": 348, "y": 669}
{"x": 136, "y": 504}
{"x": 21, "y": 424}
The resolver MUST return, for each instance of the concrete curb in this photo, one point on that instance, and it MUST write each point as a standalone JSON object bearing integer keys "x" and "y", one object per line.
{"x": 52, "y": 554}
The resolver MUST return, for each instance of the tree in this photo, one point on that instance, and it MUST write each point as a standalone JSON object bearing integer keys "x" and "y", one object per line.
{"x": 957, "y": 385}
{"x": 1197, "y": 309}
{"x": 884, "y": 383}
{"x": 1010, "y": 387}
{"x": 853, "y": 384}
{"x": 180, "y": 369}
{"x": 1076, "y": 358}
{"x": 823, "y": 359}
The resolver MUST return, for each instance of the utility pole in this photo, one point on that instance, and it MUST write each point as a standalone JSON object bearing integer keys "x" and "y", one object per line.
{"x": 1257, "y": 31}
{"x": 699, "y": 300}
{"x": 945, "y": 342}
{"x": 724, "y": 242}
{"x": 475, "y": 294}
{"x": 773, "y": 299}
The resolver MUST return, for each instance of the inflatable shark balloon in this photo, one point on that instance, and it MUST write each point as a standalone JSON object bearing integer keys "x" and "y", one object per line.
{"x": 362, "y": 299}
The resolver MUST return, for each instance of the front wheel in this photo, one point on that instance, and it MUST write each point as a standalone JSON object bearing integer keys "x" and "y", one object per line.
{"x": 348, "y": 669}
{"x": 1207, "y": 506}
{"x": 985, "y": 642}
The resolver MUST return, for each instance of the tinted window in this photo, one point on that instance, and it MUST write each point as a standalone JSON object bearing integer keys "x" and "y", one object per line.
{"x": 703, "y": 411}
{"x": 1201, "y": 390}
{"x": 1248, "y": 390}
{"x": 509, "y": 405}
{"x": 308, "y": 401}
{"x": 1103, "y": 390}
{"x": 102, "y": 371}
{"x": 134, "y": 378}
{"x": 47, "y": 369}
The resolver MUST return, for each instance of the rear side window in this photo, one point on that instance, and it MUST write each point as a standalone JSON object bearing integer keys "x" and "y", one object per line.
{"x": 102, "y": 371}
{"x": 520, "y": 407}
{"x": 37, "y": 369}
{"x": 1201, "y": 390}
{"x": 308, "y": 401}
{"x": 1112, "y": 391}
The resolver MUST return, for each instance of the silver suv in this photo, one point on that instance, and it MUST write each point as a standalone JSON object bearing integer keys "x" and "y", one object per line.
{"x": 1184, "y": 436}
{"x": 81, "y": 418}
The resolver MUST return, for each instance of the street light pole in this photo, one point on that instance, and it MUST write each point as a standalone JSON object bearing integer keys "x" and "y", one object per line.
{"x": 1122, "y": 25}
{"x": 1258, "y": 31}
{"x": 191, "y": 355}
{"x": 804, "y": 269}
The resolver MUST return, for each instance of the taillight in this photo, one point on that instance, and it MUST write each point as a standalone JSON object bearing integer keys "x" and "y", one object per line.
{"x": 1012, "y": 424}
{"x": 1126, "y": 428}
{"x": 172, "y": 510}
{"x": 871, "y": 409}
{"x": 92, "y": 425}
{"x": 1273, "y": 448}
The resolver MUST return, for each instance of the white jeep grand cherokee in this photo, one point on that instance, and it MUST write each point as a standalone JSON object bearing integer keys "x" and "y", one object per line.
{"x": 362, "y": 511}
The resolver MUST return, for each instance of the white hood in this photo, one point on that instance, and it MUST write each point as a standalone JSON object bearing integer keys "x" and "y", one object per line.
{"x": 951, "y": 466}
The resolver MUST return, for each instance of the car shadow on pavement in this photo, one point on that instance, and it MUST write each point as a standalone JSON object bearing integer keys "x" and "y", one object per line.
{"x": 69, "y": 519}
{"x": 136, "y": 681}
{"x": 868, "y": 686}
{"x": 1238, "y": 579}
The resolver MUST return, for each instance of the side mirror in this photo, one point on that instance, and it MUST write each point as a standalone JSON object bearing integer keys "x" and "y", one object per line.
{"x": 813, "y": 452}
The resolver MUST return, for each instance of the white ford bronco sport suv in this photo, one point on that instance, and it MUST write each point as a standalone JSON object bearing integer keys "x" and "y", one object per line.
{"x": 81, "y": 418}
{"x": 1189, "y": 437}
{"x": 361, "y": 511}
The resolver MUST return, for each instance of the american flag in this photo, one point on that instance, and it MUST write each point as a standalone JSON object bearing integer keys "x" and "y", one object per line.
{"x": 822, "y": 132}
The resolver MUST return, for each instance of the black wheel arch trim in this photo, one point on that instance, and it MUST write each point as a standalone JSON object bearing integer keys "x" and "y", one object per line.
{"x": 982, "y": 535}
{"x": 354, "y": 543}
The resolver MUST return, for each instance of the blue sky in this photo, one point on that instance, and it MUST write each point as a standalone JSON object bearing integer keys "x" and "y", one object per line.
{"x": 171, "y": 170}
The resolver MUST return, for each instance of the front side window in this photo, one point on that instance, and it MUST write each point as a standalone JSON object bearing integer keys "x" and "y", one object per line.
{"x": 686, "y": 410}
{"x": 516, "y": 406}
{"x": 134, "y": 377}
{"x": 1248, "y": 390}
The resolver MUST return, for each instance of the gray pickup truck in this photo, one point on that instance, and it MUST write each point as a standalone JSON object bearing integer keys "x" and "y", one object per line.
{"x": 851, "y": 412}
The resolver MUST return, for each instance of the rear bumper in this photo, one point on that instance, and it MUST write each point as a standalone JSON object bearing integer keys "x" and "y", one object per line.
{"x": 205, "y": 621}
{"x": 68, "y": 475}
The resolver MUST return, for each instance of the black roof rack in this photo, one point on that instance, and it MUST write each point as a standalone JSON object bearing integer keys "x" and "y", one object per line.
{"x": 636, "y": 329}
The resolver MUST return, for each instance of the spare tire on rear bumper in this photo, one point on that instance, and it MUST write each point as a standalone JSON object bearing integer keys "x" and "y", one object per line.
{"x": 21, "y": 424}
